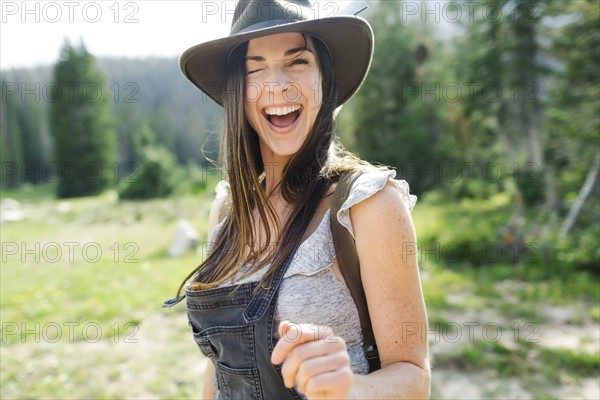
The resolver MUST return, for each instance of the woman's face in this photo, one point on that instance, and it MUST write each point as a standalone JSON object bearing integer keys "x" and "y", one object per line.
{"x": 283, "y": 91}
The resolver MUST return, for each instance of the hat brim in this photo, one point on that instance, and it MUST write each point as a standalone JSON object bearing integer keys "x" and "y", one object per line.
{"x": 349, "y": 39}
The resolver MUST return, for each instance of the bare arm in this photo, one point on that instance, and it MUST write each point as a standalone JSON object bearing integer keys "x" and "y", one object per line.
{"x": 386, "y": 245}
{"x": 209, "y": 390}
{"x": 213, "y": 216}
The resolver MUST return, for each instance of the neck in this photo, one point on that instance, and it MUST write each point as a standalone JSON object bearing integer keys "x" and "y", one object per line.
{"x": 274, "y": 165}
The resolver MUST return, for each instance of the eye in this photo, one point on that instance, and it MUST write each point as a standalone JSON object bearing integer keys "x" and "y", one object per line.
{"x": 253, "y": 67}
{"x": 253, "y": 71}
{"x": 300, "y": 61}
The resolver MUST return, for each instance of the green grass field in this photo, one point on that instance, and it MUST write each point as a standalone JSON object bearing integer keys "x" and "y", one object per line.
{"x": 83, "y": 281}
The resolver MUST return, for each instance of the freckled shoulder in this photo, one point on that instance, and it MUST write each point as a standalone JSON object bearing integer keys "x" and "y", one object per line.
{"x": 386, "y": 206}
{"x": 384, "y": 231}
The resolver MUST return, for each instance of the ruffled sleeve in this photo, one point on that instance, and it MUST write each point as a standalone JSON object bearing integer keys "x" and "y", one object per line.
{"x": 366, "y": 186}
{"x": 222, "y": 191}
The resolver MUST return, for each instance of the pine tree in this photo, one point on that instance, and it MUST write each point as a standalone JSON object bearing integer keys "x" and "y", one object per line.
{"x": 80, "y": 121}
{"x": 501, "y": 55}
{"x": 11, "y": 155}
{"x": 395, "y": 123}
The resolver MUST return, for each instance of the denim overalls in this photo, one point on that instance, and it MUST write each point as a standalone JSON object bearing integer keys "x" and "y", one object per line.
{"x": 234, "y": 328}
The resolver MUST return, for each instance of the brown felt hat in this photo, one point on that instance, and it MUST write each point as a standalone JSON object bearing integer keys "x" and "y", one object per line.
{"x": 349, "y": 39}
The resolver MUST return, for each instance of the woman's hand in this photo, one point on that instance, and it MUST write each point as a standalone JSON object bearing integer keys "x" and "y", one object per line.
{"x": 314, "y": 359}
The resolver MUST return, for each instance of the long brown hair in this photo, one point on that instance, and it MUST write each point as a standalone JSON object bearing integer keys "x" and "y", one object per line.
{"x": 306, "y": 178}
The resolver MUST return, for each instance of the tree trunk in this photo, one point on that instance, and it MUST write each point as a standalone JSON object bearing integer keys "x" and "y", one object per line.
{"x": 585, "y": 191}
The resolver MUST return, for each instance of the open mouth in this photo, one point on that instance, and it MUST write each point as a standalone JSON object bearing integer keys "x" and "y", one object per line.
{"x": 282, "y": 117}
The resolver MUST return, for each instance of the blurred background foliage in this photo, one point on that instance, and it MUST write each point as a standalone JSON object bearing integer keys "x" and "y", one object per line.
{"x": 494, "y": 122}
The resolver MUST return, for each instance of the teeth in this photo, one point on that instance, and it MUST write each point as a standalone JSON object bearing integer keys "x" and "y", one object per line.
{"x": 281, "y": 110}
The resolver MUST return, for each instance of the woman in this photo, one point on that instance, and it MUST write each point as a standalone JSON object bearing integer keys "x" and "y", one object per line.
{"x": 269, "y": 305}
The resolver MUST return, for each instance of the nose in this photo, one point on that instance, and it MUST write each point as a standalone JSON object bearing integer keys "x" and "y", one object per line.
{"x": 277, "y": 82}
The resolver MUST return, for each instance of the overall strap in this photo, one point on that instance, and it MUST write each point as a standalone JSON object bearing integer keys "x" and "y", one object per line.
{"x": 345, "y": 248}
{"x": 264, "y": 296}
{"x": 171, "y": 302}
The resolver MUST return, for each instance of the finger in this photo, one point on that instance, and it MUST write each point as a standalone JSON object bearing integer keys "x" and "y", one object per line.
{"x": 334, "y": 384}
{"x": 284, "y": 327}
{"x": 294, "y": 335}
{"x": 278, "y": 354}
{"x": 304, "y": 352}
{"x": 313, "y": 367}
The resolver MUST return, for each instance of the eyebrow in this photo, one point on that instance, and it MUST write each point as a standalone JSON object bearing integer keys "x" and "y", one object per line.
{"x": 287, "y": 53}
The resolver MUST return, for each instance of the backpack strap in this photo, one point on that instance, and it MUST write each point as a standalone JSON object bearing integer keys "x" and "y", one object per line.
{"x": 345, "y": 248}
